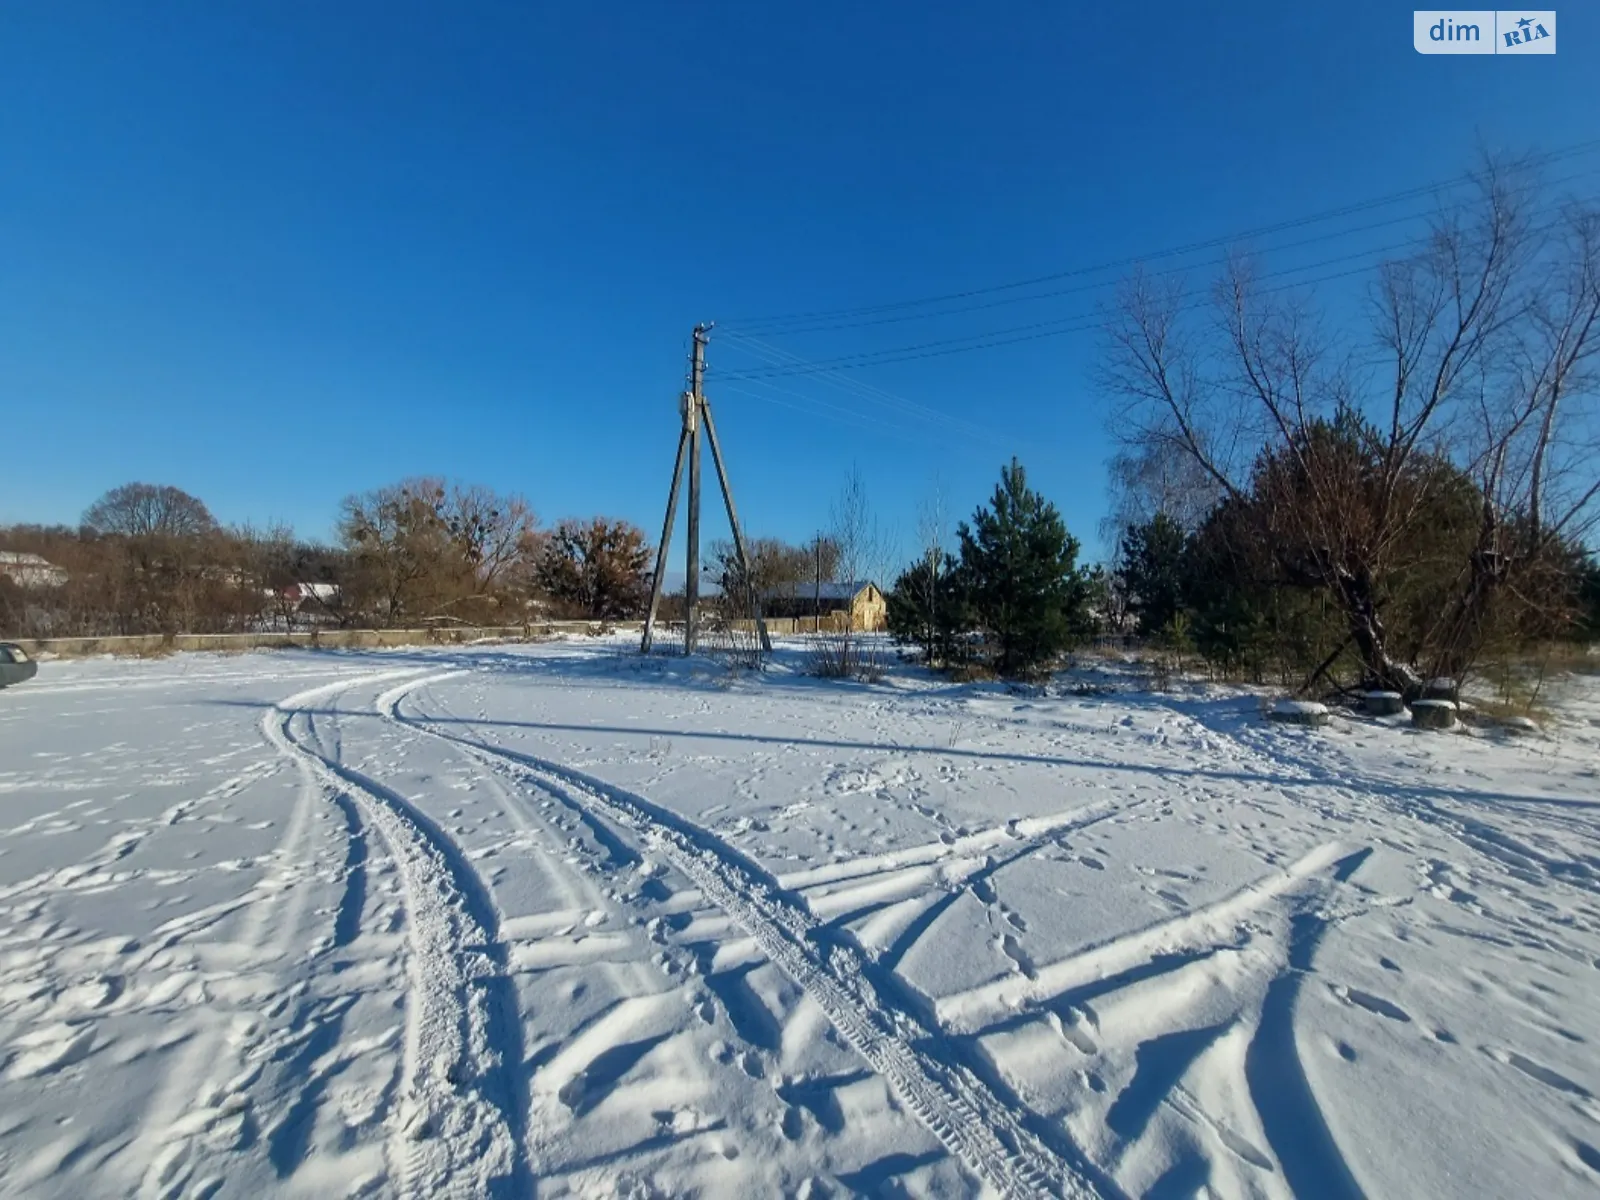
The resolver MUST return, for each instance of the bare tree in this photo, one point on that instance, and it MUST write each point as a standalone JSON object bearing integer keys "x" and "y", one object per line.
{"x": 1487, "y": 338}
{"x": 1533, "y": 434}
{"x": 398, "y": 542}
{"x": 1153, "y": 477}
{"x": 858, "y": 548}
{"x": 422, "y": 548}
{"x": 149, "y": 510}
{"x": 494, "y": 534}
{"x": 599, "y": 568}
{"x": 773, "y": 564}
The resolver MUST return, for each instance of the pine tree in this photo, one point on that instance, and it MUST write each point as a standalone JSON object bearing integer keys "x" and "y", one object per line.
{"x": 928, "y": 609}
{"x": 1150, "y": 571}
{"x": 1026, "y": 589}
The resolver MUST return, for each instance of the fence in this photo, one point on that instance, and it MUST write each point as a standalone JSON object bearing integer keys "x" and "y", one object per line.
{"x": 789, "y": 626}
{"x": 327, "y": 639}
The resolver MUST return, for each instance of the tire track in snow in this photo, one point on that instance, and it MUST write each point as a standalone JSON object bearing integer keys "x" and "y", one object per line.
{"x": 458, "y": 1130}
{"x": 636, "y": 981}
{"x": 183, "y": 1117}
{"x": 947, "y": 1097}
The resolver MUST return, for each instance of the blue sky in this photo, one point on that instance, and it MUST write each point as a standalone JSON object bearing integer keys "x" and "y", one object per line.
{"x": 274, "y": 253}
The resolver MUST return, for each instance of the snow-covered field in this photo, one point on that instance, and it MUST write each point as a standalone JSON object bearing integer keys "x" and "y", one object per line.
{"x": 559, "y": 919}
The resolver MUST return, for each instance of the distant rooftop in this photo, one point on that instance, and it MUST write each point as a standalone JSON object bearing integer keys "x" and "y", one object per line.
{"x": 810, "y": 591}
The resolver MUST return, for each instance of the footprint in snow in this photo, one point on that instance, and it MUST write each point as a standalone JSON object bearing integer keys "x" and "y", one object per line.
{"x": 1373, "y": 1004}
{"x": 1073, "y": 1032}
{"x": 1543, "y": 1074}
{"x": 1012, "y": 949}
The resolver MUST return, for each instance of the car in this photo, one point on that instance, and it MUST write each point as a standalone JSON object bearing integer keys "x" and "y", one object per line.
{"x": 15, "y": 665}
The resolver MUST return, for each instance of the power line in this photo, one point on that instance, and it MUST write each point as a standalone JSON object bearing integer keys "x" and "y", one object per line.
{"x": 1061, "y": 326}
{"x": 900, "y": 427}
{"x": 770, "y": 324}
{"x": 811, "y": 405}
{"x": 1097, "y": 285}
{"x": 856, "y": 387}
{"x": 1054, "y": 327}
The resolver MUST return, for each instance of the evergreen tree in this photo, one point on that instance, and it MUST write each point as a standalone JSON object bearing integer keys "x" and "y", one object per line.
{"x": 1589, "y": 599}
{"x": 1026, "y": 590}
{"x": 928, "y": 609}
{"x": 1150, "y": 571}
{"x": 1229, "y": 592}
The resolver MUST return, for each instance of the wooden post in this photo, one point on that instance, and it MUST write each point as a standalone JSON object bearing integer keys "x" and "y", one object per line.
{"x": 816, "y": 613}
{"x": 691, "y": 583}
{"x": 666, "y": 541}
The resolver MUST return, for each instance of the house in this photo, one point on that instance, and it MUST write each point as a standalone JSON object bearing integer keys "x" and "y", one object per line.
{"x": 862, "y": 600}
{"x": 314, "y": 596}
{"x": 30, "y": 570}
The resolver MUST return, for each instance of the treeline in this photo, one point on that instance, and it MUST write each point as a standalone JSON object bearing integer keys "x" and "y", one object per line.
{"x": 1235, "y": 589}
{"x": 1231, "y": 591}
{"x": 774, "y": 566}
{"x": 152, "y": 559}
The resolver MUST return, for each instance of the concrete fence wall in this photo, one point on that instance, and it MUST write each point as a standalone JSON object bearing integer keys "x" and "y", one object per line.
{"x": 789, "y": 626}
{"x": 328, "y": 639}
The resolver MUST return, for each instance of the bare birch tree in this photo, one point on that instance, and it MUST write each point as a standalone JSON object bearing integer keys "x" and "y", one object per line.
{"x": 858, "y": 551}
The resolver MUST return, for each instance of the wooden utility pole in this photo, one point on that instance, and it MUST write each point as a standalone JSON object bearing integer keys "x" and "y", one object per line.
{"x": 696, "y": 412}
{"x": 751, "y": 598}
{"x": 691, "y": 579}
{"x": 816, "y": 612}
{"x": 666, "y": 531}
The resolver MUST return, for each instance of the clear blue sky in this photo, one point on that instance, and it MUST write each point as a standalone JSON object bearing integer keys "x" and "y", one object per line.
{"x": 274, "y": 252}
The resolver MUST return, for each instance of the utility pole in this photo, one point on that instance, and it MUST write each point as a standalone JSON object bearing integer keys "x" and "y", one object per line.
{"x": 696, "y": 399}
{"x": 666, "y": 529}
{"x": 696, "y": 413}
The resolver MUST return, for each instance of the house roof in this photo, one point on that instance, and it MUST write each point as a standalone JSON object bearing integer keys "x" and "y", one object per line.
{"x": 17, "y": 558}
{"x": 810, "y": 591}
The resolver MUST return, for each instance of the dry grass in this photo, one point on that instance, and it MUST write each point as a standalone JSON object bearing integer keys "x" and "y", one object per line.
{"x": 973, "y": 673}
{"x": 1495, "y": 713}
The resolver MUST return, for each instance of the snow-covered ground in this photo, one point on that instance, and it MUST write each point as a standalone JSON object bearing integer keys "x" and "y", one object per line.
{"x": 559, "y": 919}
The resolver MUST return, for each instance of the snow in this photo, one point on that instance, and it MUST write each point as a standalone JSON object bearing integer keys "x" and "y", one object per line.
{"x": 478, "y": 920}
{"x": 1300, "y": 707}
